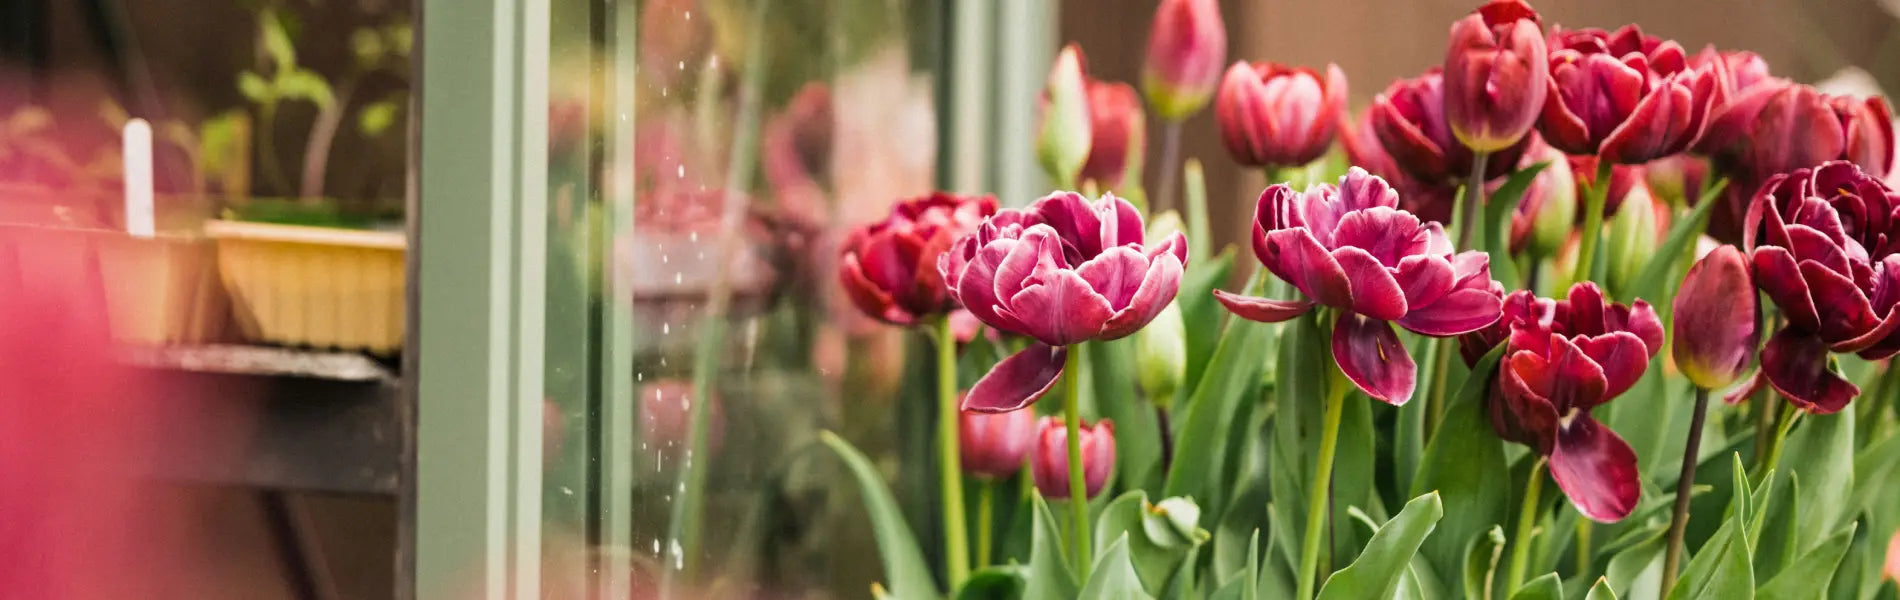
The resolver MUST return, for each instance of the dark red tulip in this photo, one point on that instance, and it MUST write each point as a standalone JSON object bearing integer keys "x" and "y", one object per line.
{"x": 1825, "y": 244}
{"x": 1410, "y": 121}
{"x": 1495, "y": 72}
{"x": 993, "y": 445}
{"x": 889, "y": 268}
{"x": 1778, "y": 126}
{"x": 1050, "y": 464}
{"x": 1062, "y": 271}
{"x": 1625, "y": 96}
{"x": 1272, "y": 115}
{"x": 1350, "y": 248}
{"x": 1740, "y": 70}
{"x": 1187, "y": 44}
{"x": 1566, "y": 357}
{"x": 1429, "y": 201}
{"x": 1118, "y": 135}
{"x": 1714, "y": 319}
{"x": 1868, "y": 124}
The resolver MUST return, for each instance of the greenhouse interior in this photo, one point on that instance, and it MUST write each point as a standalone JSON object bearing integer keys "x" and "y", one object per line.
{"x": 949, "y": 299}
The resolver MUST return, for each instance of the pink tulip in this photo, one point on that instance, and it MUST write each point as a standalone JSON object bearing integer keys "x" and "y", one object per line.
{"x": 993, "y": 445}
{"x": 1272, "y": 115}
{"x": 1050, "y": 465}
{"x": 1187, "y": 44}
{"x": 1495, "y": 72}
{"x": 889, "y": 268}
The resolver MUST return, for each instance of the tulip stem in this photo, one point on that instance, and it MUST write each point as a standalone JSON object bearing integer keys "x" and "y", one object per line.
{"x": 1435, "y": 399}
{"x": 1474, "y": 201}
{"x": 1594, "y": 200}
{"x": 1167, "y": 437}
{"x": 1170, "y": 156}
{"x": 1526, "y": 527}
{"x": 1679, "y": 521}
{"x": 1080, "y": 549}
{"x": 985, "y": 519}
{"x": 1319, "y": 492}
{"x": 956, "y": 541}
{"x": 1788, "y": 416}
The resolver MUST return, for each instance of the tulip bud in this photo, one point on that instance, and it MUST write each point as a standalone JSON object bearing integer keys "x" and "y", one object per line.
{"x": 1161, "y": 355}
{"x": 1272, "y": 115}
{"x": 1544, "y": 217}
{"x": 1118, "y": 136}
{"x": 1496, "y": 73}
{"x": 993, "y": 445}
{"x": 1677, "y": 180}
{"x": 1050, "y": 465}
{"x": 1165, "y": 224}
{"x": 1633, "y": 237}
{"x": 1186, "y": 47}
{"x": 1714, "y": 319}
{"x": 1063, "y": 145}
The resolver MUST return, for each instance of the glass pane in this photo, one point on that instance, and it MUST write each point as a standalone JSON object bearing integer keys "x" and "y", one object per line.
{"x": 703, "y": 156}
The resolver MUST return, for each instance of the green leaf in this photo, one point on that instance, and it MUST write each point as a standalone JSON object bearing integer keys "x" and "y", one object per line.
{"x": 1209, "y": 413}
{"x": 1463, "y": 462}
{"x": 1801, "y": 580}
{"x": 377, "y": 117}
{"x": 253, "y": 87}
{"x": 307, "y": 85}
{"x": 1654, "y": 283}
{"x": 1601, "y": 591}
{"x": 1182, "y": 585}
{"x": 1722, "y": 569}
{"x": 1774, "y": 548}
{"x": 1821, "y": 450}
{"x": 1302, "y": 382}
{"x": 1874, "y": 467}
{"x": 1171, "y": 523}
{"x": 1049, "y": 575}
{"x": 1243, "y": 585}
{"x": 1154, "y": 560}
{"x": 904, "y": 565}
{"x": 1244, "y": 518}
{"x": 275, "y": 40}
{"x": 993, "y": 583}
{"x": 1545, "y": 587}
{"x": 1137, "y": 435}
{"x": 1376, "y": 573}
{"x": 1201, "y": 314}
{"x": 1112, "y": 576}
{"x": 1638, "y": 570}
{"x": 1494, "y": 234}
{"x": 1481, "y": 562}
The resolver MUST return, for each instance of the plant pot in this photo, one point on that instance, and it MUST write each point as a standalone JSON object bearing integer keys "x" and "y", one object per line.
{"x": 160, "y": 290}
{"x": 313, "y": 286}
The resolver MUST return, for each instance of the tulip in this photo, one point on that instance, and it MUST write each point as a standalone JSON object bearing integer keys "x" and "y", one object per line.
{"x": 1050, "y": 464}
{"x": 1495, "y": 72}
{"x": 1739, "y": 70}
{"x": 992, "y": 446}
{"x": 1350, "y": 248}
{"x": 1778, "y": 126}
{"x": 1410, "y": 122}
{"x": 1161, "y": 356}
{"x": 1062, "y": 271}
{"x": 1547, "y": 212}
{"x": 1118, "y": 133}
{"x": 1623, "y": 179}
{"x": 1625, "y": 96}
{"x": 1276, "y": 116}
{"x": 1869, "y": 132}
{"x": 1825, "y": 244}
{"x": 1063, "y": 143}
{"x": 1634, "y": 235}
{"x": 889, "y": 268}
{"x": 1187, "y": 44}
{"x": 1429, "y": 201}
{"x": 1566, "y": 357}
{"x": 1715, "y": 319}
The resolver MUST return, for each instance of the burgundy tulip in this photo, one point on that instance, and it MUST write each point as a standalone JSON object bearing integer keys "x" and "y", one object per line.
{"x": 1825, "y": 244}
{"x": 1273, "y": 115}
{"x": 993, "y": 445}
{"x": 889, "y": 268}
{"x": 1062, "y": 271}
{"x": 1868, "y": 124}
{"x": 1778, "y": 126}
{"x": 1625, "y": 96}
{"x": 1118, "y": 131}
{"x": 1187, "y": 44}
{"x": 1715, "y": 319}
{"x": 1409, "y": 120}
{"x": 1566, "y": 357}
{"x": 1740, "y": 70}
{"x": 1495, "y": 72}
{"x": 1429, "y": 201}
{"x": 1350, "y": 248}
{"x": 1050, "y": 464}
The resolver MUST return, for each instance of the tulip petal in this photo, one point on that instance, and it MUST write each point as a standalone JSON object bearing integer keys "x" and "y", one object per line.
{"x": 1849, "y": 314}
{"x": 1300, "y": 260}
{"x": 1621, "y": 355}
{"x": 1573, "y": 380}
{"x": 1158, "y": 287}
{"x": 1811, "y": 244}
{"x": 976, "y": 287}
{"x": 1796, "y": 364}
{"x": 1425, "y": 279}
{"x": 1389, "y": 234}
{"x": 1073, "y": 220}
{"x": 1457, "y": 313}
{"x": 1061, "y": 309}
{"x": 1115, "y": 274}
{"x": 1374, "y": 292}
{"x": 866, "y": 295}
{"x": 1779, "y": 277}
{"x": 1264, "y": 310}
{"x": 1369, "y": 353}
{"x": 1651, "y": 131}
{"x": 1017, "y": 381}
{"x": 1596, "y": 469}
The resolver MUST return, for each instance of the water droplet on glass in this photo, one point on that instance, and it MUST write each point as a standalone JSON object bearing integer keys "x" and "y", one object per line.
{"x": 692, "y": 236}
{"x": 666, "y": 329}
{"x": 678, "y": 277}
{"x": 681, "y": 170}
{"x": 682, "y": 65}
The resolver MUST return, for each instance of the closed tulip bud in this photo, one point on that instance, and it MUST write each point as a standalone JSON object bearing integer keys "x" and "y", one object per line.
{"x": 1161, "y": 355}
{"x": 1186, "y": 47}
{"x": 993, "y": 445}
{"x": 1118, "y": 136}
{"x": 1050, "y": 464}
{"x": 1273, "y": 115}
{"x": 1545, "y": 216}
{"x": 1063, "y": 144}
{"x": 1633, "y": 237}
{"x": 1715, "y": 318}
{"x": 1678, "y": 179}
{"x": 1495, "y": 75}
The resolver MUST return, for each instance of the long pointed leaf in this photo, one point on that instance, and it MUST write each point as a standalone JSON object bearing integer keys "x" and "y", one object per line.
{"x": 1463, "y": 463}
{"x": 1377, "y": 571}
{"x": 1113, "y": 576}
{"x": 1802, "y": 579}
{"x": 904, "y": 565}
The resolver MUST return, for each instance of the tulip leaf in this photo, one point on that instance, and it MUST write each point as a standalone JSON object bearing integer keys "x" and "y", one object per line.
{"x": 1874, "y": 467}
{"x": 1113, "y": 576}
{"x": 1774, "y": 547}
{"x": 1462, "y": 463}
{"x": 1801, "y": 580}
{"x": 904, "y": 565}
{"x": 1600, "y": 591}
{"x": 1137, "y": 436}
{"x": 1154, "y": 560}
{"x": 1302, "y": 380}
{"x": 1201, "y": 316}
{"x": 1722, "y": 569}
{"x": 1821, "y": 450}
{"x": 1494, "y": 234}
{"x": 1243, "y": 584}
{"x": 1376, "y": 573}
{"x": 1638, "y": 570}
{"x": 1247, "y": 513}
{"x": 994, "y": 583}
{"x": 1200, "y": 458}
{"x": 1481, "y": 562}
{"x": 1049, "y": 575}
{"x": 1655, "y": 282}
{"x": 1544, "y": 587}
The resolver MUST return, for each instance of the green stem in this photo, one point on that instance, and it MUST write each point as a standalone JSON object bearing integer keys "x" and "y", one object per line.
{"x": 1435, "y": 400}
{"x": 1585, "y": 527}
{"x": 1474, "y": 201}
{"x": 1317, "y": 493}
{"x": 1788, "y": 416}
{"x": 1679, "y": 521}
{"x": 1078, "y": 489}
{"x": 1194, "y": 201}
{"x": 956, "y": 543}
{"x": 985, "y": 496}
{"x": 1592, "y": 221}
{"x": 1526, "y": 524}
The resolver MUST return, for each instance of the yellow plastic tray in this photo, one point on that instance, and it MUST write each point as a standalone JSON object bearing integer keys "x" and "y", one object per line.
{"x": 313, "y": 286}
